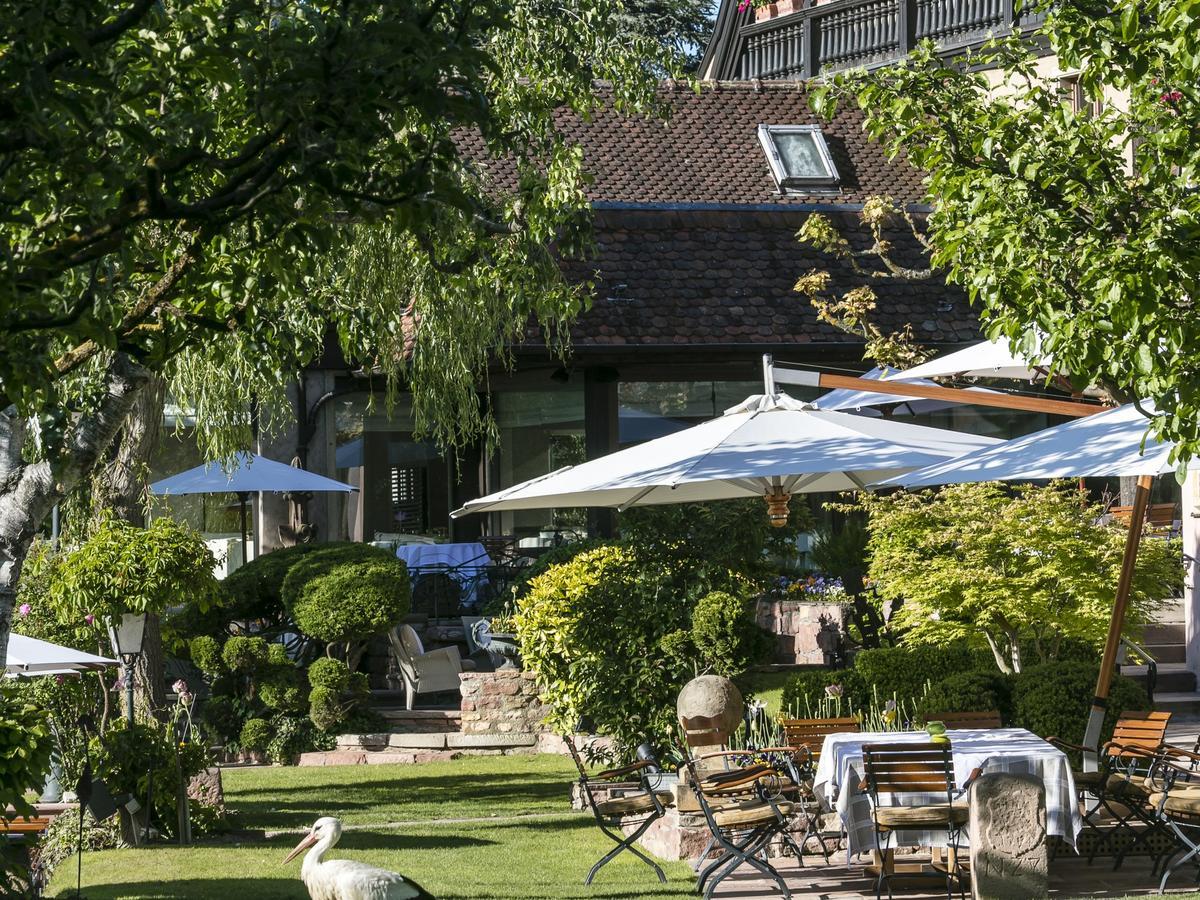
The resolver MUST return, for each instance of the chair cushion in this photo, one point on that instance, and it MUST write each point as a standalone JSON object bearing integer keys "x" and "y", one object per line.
{"x": 921, "y": 816}
{"x": 632, "y": 804}
{"x": 1181, "y": 804}
{"x": 758, "y": 813}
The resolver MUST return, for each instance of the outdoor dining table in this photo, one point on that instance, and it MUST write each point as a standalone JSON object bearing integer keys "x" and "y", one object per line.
{"x": 465, "y": 562}
{"x": 1011, "y": 750}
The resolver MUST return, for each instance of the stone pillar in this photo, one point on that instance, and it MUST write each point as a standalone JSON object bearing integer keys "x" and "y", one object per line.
{"x": 1190, "y": 517}
{"x": 1009, "y": 858}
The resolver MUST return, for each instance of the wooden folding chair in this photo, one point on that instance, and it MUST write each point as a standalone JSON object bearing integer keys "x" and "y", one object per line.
{"x": 744, "y": 808}
{"x": 808, "y": 736}
{"x": 1118, "y": 795}
{"x": 922, "y": 774}
{"x": 987, "y": 719}
{"x": 610, "y": 813}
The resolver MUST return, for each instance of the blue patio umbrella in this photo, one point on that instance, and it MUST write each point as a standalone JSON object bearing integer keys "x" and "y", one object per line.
{"x": 248, "y": 473}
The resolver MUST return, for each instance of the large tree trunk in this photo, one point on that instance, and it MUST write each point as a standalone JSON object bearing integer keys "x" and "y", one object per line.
{"x": 119, "y": 486}
{"x": 29, "y": 491}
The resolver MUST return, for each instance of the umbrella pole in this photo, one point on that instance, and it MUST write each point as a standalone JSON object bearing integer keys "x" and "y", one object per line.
{"x": 243, "y": 497}
{"x": 1108, "y": 662}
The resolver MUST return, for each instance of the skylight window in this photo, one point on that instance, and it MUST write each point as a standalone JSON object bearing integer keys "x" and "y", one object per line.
{"x": 798, "y": 156}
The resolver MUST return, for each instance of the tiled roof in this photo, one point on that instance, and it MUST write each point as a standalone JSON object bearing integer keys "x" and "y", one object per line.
{"x": 725, "y": 277}
{"x": 707, "y": 151}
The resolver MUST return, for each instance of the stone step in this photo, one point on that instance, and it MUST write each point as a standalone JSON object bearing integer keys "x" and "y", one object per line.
{"x": 1167, "y": 653}
{"x": 409, "y": 721}
{"x": 407, "y": 749}
{"x": 1164, "y": 633}
{"x": 1184, "y": 706}
{"x": 1173, "y": 678}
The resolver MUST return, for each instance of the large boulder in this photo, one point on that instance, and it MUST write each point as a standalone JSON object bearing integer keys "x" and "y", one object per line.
{"x": 715, "y": 698}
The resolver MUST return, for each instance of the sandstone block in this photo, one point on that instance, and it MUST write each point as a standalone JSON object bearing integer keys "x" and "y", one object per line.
{"x": 1009, "y": 858}
{"x": 485, "y": 741}
{"x": 422, "y": 741}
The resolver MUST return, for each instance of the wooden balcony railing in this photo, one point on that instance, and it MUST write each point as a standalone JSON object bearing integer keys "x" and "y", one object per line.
{"x": 843, "y": 34}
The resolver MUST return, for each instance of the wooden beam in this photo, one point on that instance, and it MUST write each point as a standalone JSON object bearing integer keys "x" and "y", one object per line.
{"x": 927, "y": 392}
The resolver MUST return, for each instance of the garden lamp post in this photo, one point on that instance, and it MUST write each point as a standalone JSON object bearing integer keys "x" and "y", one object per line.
{"x": 127, "y": 634}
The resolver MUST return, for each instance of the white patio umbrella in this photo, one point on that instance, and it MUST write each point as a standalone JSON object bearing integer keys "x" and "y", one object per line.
{"x": 864, "y": 402}
{"x": 1107, "y": 444}
{"x": 767, "y": 446}
{"x": 30, "y": 656}
{"x": 248, "y": 474}
{"x": 988, "y": 359}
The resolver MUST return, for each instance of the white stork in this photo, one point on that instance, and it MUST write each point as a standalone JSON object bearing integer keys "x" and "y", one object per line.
{"x": 344, "y": 879}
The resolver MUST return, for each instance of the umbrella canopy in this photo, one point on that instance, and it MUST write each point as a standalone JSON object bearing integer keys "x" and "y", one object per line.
{"x": 1106, "y": 444}
{"x": 989, "y": 359}
{"x": 864, "y": 402}
{"x": 764, "y": 445}
{"x": 251, "y": 474}
{"x": 30, "y": 656}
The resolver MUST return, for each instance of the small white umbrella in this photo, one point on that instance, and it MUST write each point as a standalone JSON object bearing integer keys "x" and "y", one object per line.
{"x": 767, "y": 446}
{"x": 864, "y": 402}
{"x": 1111, "y": 443}
{"x": 988, "y": 359}
{"x": 30, "y": 656}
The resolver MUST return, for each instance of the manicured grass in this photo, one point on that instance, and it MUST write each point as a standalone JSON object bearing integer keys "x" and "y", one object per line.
{"x": 768, "y": 686}
{"x": 473, "y": 787}
{"x": 523, "y": 841}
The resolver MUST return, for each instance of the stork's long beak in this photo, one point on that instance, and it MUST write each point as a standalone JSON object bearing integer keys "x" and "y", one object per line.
{"x": 305, "y": 842}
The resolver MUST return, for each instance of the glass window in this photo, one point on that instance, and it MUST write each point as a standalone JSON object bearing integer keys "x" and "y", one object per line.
{"x": 540, "y": 431}
{"x": 798, "y": 156}
{"x": 650, "y": 409}
{"x": 404, "y": 483}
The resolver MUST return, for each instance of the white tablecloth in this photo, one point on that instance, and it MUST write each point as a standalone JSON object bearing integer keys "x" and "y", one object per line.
{"x": 466, "y": 563}
{"x": 1012, "y": 750}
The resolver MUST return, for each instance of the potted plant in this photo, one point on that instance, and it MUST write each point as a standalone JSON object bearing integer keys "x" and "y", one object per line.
{"x": 500, "y": 639}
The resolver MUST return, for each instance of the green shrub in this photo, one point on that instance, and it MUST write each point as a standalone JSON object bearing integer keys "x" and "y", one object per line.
{"x": 359, "y": 686}
{"x": 325, "y": 708}
{"x": 206, "y": 655}
{"x": 332, "y": 674}
{"x": 293, "y": 735}
{"x": 555, "y": 556}
{"x": 590, "y": 631}
{"x": 282, "y": 688}
{"x": 221, "y": 718}
{"x": 256, "y": 735}
{"x": 245, "y": 654}
{"x": 277, "y": 655}
{"x": 804, "y": 692}
{"x": 903, "y": 671}
{"x": 726, "y": 635}
{"x": 968, "y": 692}
{"x": 25, "y": 745}
{"x": 1053, "y": 700}
{"x": 347, "y": 597}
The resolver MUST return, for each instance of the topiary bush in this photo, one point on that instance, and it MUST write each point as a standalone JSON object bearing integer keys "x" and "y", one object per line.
{"x": 344, "y": 597}
{"x": 903, "y": 671}
{"x": 256, "y": 735}
{"x": 590, "y": 631}
{"x": 282, "y": 688}
{"x": 206, "y": 655}
{"x": 221, "y": 719}
{"x": 293, "y": 735}
{"x": 325, "y": 708}
{"x": 246, "y": 655}
{"x": 968, "y": 692}
{"x": 1053, "y": 700}
{"x": 726, "y": 635}
{"x": 332, "y": 674}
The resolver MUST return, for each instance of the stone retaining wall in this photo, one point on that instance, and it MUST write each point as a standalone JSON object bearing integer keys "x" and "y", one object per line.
{"x": 503, "y": 702}
{"x": 805, "y": 631}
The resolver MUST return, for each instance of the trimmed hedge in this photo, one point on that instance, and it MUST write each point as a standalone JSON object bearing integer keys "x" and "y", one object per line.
{"x": 1053, "y": 700}
{"x": 969, "y": 692}
{"x": 904, "y": 671}
{"x": 726, "y": 635}
{"x": 347, "y": 593}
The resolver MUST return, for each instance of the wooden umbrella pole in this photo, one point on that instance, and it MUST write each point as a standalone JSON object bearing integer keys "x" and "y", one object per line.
{"x": 1108, "y": 662}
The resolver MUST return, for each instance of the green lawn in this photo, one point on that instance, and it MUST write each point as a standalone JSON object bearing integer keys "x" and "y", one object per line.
{"x": 768, "y": 686}
{"x": 497, "y": 853}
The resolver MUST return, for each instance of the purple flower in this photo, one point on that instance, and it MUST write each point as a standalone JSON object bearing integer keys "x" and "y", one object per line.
{"x": 180, "y": 687}
{"x": 89, "y": 618}
{"x": 24, "y": 609}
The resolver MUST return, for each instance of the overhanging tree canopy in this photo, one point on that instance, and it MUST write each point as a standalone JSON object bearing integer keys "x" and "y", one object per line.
{"x": 1082, "y": 221}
